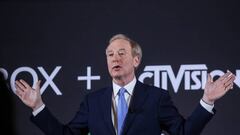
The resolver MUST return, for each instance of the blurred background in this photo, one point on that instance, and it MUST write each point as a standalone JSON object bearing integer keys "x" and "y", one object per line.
{"x": 61, "y": 41}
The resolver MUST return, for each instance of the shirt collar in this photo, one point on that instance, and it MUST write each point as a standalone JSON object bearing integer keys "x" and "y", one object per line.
{"x": 129, "y": 87}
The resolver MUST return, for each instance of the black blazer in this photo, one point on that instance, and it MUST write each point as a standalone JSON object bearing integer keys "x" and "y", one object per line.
{"x": 150, "y": 111}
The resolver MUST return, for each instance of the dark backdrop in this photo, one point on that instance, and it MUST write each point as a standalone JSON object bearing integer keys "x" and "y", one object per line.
{"x": 63, "y": 38}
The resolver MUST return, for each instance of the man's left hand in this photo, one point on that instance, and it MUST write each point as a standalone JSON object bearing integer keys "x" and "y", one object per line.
{"x": 216, "y": 89}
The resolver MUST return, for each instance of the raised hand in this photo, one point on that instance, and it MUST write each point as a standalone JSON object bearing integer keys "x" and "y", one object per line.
{"x": 29, "y": 96}
{"x": 217, "y": 89}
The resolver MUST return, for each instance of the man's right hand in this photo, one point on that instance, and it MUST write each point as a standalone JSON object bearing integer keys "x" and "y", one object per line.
{"x": 29, "y": 96}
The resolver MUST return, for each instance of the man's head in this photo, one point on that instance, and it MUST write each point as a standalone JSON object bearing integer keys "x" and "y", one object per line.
{"x": 123, "y": 57}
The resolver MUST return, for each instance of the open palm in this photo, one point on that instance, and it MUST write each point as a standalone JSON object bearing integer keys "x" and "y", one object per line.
{"x": 29, "y": 96}
{"x": 216, "y": 89}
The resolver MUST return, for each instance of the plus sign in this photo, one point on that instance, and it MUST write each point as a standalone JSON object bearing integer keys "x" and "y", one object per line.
{"x": 88, "y": 78}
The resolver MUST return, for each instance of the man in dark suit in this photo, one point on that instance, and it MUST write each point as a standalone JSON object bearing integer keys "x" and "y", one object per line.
{"x": 127, "y": 107}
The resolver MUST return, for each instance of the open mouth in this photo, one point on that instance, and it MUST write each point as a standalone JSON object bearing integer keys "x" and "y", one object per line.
{"x": 117, "y": 67}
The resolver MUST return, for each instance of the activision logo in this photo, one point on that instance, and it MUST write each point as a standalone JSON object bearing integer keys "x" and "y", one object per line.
{"x": 194, "y": 76}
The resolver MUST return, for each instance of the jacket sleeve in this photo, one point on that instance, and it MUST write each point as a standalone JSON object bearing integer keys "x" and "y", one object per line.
{"x": 51, "y": 126}
{"x": 175, "y": 124}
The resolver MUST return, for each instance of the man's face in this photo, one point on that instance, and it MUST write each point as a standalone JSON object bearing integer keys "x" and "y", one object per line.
{"x": 121, "y": 63}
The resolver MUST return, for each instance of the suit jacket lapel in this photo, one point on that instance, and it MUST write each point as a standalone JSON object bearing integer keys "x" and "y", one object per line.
{"x": 106, "y": 106}
{"x": 137, "y": 100}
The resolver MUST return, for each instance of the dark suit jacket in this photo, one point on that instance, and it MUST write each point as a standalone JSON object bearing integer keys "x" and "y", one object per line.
{"x": 151, "y": 111}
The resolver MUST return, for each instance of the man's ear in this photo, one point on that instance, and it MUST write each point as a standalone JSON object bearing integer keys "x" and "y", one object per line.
{"x": 136, "y": 61}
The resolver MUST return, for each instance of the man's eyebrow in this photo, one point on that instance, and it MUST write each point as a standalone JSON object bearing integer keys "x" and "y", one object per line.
{"x": 122, "y": 49}
{"x": 109, "y": 51}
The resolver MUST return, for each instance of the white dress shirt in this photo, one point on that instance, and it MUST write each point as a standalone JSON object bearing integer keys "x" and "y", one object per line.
{"x": 129, "y": 88}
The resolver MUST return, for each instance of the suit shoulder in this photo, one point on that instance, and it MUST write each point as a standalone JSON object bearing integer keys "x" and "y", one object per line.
{"x": 155, "y": 90}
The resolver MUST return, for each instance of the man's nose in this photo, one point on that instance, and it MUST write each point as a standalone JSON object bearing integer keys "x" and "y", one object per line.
{"x": 116, "y": 57}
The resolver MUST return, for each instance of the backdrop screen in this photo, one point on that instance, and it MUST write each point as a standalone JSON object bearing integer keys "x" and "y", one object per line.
{"x": 63, "y": 44}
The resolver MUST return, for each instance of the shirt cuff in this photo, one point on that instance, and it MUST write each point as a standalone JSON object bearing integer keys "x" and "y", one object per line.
{"x": 38, "y": 110}
{"x": 208, "y": 107}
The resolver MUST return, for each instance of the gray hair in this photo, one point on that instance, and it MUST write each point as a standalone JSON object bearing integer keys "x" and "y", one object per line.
{"x": 136, "y": 48}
